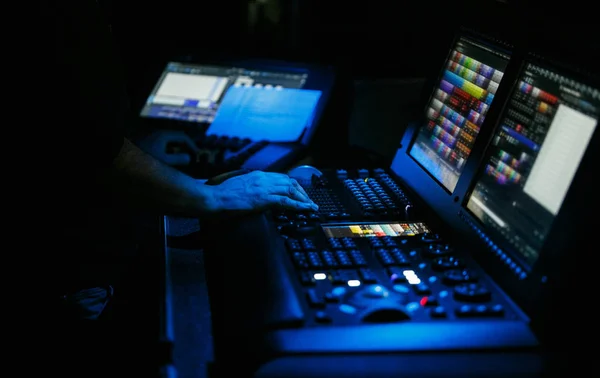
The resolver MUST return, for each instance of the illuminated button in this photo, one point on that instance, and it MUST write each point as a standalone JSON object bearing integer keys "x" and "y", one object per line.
{"x": 497, "y": 309}
{"x": 464, "y": 310}
{"x": 375, "y": 291}
{"x": 347, "y": 309}
{"x": 472, "y": 292}
{"x": 438, "y": 312}
{"x": 353, "y": 283}
{"x": 411, "y": 277}
{"x": 338, "y": 291}
{"x": 396, "y": 275}
{"x": 413, "y": 306}
{"x": 320, "y": 276}
{"x": 401, "y": 289}
{"x": 446, "y": 263}
{"x": 413, "y": 280}
{"x": 422, "y": 289}
{"x": 434, "y": 250}
{"x": 456, "y": 276}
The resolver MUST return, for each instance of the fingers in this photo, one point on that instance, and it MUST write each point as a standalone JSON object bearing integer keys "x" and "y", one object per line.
{"x": 285, "y": 192}
{"x": 292, "y": 190}
{"x": 300, "y": 189}
{"x": 285, "y": 180}
{"x": 289, "y": 203}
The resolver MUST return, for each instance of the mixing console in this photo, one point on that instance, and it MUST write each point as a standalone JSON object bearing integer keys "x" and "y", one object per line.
{"x": 360, "y": 259}
{"x": 361, "y": 194}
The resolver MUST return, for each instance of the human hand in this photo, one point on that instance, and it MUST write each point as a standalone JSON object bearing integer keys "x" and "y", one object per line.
{"x": 219, "y": 179}
{"x": 258, "y": 191}
{"x": 157, "y": 143}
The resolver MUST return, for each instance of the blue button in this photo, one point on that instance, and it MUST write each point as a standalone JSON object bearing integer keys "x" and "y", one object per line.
{"x": 375, "y": 291}
{"x": 347, "y": 309}
{"x": 413, "y": 306}
{"x": 401, "y": 289}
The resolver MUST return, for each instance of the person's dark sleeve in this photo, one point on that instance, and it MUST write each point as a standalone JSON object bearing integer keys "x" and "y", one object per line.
{"x": 85, "y": 104}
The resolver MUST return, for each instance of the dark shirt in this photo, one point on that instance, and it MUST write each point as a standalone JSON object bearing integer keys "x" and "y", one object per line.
{"x": 85, "y": 116}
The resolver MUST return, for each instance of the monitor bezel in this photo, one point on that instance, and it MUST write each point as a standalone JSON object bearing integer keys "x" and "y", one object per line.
{"x": 320, "y": 77}
{"x": 505, "y": 264}
{"x": 418, "y": 180}
{"x": 503, "y": 243}
{"x": 414, "y": 128}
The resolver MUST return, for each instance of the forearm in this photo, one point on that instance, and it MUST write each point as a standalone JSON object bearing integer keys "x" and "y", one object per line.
{"x": 147, "y": 182}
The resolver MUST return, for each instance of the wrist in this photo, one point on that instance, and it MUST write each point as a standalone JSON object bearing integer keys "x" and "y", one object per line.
{"x": 206, "y": 201}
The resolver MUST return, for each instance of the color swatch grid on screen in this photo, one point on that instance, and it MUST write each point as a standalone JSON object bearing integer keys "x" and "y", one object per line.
{"x": 459, "y": 106}
{"x": 457, "y": 109}
{"x": 529, "y": 104}
{"x": 375, "y": 230}
{"x": 535, "y": 153}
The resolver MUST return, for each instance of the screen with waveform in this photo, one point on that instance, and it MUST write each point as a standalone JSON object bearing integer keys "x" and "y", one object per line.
{"x": 536, "y": 149}
{"x": 457, "y": 108}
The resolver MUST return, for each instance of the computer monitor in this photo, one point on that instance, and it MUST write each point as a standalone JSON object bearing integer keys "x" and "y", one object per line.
{"x": 275, "y": 104}
{"x": 537, "y": 146}
{"x": 192, "y": 92}
{"x": 457, "y": 108}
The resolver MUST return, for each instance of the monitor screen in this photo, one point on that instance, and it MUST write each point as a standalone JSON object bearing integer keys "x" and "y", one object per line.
{"x": 368, "y": 230}
{"x": 457, "y": 108}
{"x": 534, "y": 154}
{"x": 194, "y": 93}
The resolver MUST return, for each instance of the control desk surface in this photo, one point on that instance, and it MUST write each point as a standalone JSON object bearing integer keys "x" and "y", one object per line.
{"x": 359, "y": 259}
{"x": 362, "y": 276}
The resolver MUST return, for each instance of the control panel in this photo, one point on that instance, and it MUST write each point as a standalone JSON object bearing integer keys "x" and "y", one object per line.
{"x": 359, "y": 259}
{"x": 349, "y": 195}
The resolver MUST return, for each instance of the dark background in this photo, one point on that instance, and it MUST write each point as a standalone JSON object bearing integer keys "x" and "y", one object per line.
{"x": 376, "y": 46}
{"x": 368, "y": 38}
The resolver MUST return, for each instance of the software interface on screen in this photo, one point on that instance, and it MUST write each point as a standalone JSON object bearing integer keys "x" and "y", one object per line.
{"x": 195, "y": 92}
{"x": 457, "y": 108}
{"x": 535, "y": 152}
{"x": 367, "y": 230}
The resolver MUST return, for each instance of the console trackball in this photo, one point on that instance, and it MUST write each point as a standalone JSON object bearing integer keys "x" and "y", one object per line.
{"x": 385, "y": 315}
{"x": 304, "y": 173}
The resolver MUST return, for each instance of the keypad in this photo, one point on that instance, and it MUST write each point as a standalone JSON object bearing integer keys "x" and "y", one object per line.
{"x": 342, "y": 277}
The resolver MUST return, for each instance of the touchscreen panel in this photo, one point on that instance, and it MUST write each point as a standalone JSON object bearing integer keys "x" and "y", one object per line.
{"x": 457, "y": 109}
{"x": 535, "y": 152}
{"x": 369, "y": 230}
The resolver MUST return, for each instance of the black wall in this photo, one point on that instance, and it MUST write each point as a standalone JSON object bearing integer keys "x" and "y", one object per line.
{"x": 376, "y": 38}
